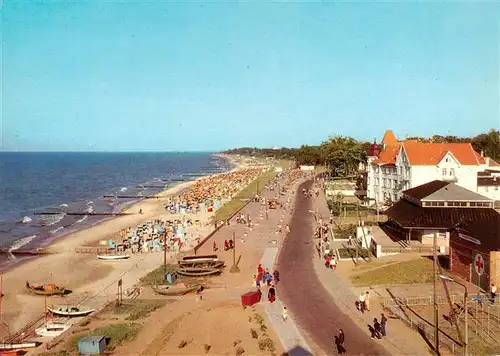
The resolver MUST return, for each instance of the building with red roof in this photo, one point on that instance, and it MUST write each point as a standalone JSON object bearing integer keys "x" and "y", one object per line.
{"x": 402, "y": 165}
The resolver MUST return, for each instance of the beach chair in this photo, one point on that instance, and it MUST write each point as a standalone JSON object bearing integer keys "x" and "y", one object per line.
{"x": 111, "y": 245}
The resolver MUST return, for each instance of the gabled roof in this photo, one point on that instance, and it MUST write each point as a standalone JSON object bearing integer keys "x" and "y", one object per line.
{"x": 430, "y": 154}
{"x": 387, "y": 156}
{"x": 480, "y": 158}
{"x": 389, "y": 138}
{"x": 453, "y": 192}
{"x": 409, "y": 215}
{"x": 426, "y": 189}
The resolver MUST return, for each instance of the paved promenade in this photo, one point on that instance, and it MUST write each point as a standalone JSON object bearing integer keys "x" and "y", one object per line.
{"x": 400, "y": 339}
{"x": 305, "y": 295}
{"x": 287, "y": 331}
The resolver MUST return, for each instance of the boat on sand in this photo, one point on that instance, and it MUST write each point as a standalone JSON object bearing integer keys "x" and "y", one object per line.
{"x": 212, "y": 264}
{"x": 69, "y": 311}
{"x": 177, "y": 289}
{"x": 198, "y": 271}
{"x": 199, "y": 258}
{"x": 45, "y": 289}
{"x": 113, "y": 257}
{"x": 18, "y": 346}
{"x": 52, "y": 329}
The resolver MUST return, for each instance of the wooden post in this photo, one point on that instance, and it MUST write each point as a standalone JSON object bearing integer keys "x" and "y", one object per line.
{"x": 434, "y": 290}
{"x": 165, "y": 254}
{"x": 120, "y": 293}
{"x": 266, "y": 206}
{"x": 234, "y": 267}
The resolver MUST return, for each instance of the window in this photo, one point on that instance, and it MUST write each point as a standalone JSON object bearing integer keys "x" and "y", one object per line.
{"x": 444, "y": 172}
{"x": 472, "y": 203}
{"x": 447, "y": 160}
{"x": 440, "y": 203}
{"x": 452, "y": 172}
{"x": 463, "y": 203}
{"x": 496, "y": 187}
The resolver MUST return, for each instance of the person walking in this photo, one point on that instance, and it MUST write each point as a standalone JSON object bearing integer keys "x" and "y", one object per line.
{"x": 214, "y": 247}
{"x": 361, "y": 302}
{"x": 367, "y": 301}
{"x": 378, "y": 328}
{"x": 493, "y": 292}
{"x": 284, "y": 313}
{"x": 383, "y": 323}
{"x": 339, "y": 341}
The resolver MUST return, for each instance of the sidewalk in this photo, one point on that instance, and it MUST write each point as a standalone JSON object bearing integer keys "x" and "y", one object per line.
{"x": 400, "y": 339}
{"x": 292, "y": 340}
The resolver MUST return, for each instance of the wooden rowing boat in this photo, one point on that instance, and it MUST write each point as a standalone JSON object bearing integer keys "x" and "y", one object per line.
{"x": 205, "y": 258}
{"x": 52, "y": 329}
{"x": 45, "y": 289}
{"x": 173, "y": 290}
{"x": 212, "y": 264}
{"x": 198, "y": 271}
{"x": 113, "y": 257}
{"x": 70, "y": 311}
{"x": 18, "y": 346}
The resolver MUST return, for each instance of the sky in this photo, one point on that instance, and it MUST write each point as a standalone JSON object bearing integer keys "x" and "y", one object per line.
{"x": 207, "y": 76}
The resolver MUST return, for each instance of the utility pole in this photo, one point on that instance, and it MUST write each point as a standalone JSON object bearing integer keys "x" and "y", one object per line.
{"x": 434, "y": 292}
{"x": 234, "y": 267}
{"x": 266, "y": 206}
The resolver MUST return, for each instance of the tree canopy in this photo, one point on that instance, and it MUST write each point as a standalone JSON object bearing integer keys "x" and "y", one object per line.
{"x": 343, "y": 154}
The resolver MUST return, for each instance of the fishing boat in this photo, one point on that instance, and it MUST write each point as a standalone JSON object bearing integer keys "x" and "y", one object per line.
{"x": 12, "y": 353}
{"x": 45, "y": 289}
{"x": 18, "y": 346}
{"x": 69, "y": 311}
{"x": 52, "y": 329}
{"x": 172, "y": 290}
{"x": 200, "y": 258}
{"x": 113, "y": 257}
{"x": 198, "y": 271}
{"x": 213, "y": 264}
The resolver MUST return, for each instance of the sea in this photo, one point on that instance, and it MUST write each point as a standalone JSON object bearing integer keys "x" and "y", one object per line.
{"x": 61, "y": 183}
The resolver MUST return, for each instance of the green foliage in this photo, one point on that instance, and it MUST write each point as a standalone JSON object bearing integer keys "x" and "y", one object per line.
{"x": 351, "y": 253}
{"x": 138, "y": 309}
{"x": 343, "y": 232}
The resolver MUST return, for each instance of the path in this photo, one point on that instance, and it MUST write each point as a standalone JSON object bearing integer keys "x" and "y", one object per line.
{"x": 404, "y": 341}
{"x": 305, "y": 295}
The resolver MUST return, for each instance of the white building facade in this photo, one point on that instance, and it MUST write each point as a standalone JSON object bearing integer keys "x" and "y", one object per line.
{"x": 404, "y": 165}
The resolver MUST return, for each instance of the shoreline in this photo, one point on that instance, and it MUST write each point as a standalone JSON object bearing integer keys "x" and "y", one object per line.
{"x": 45, "y": 246}
{"x": 94, "y": 282}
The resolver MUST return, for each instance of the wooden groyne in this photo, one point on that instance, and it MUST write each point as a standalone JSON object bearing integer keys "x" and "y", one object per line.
{"x": 24, "y": 253}
{"x": 131, "y": 196}
{"x": 79, "y": 213}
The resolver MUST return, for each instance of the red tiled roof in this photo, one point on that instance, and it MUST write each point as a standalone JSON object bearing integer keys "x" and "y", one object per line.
{"x": 387, "y": 156}
{"x": 389, "y": 138}
{"x": 480, "y": 158}
{"x": 430, "y": 154}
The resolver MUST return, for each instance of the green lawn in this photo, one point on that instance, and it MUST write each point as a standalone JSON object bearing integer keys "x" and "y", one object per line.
{"x": 116, "y": 333}
{"x": 415, "y": 271}
{"x": 242, "y": 197}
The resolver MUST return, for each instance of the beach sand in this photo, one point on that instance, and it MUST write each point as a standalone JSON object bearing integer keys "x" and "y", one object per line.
{"x": 93, "y": 282}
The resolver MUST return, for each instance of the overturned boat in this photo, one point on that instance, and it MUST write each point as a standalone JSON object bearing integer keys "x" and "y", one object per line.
{"x": 198, "y": 271}
{"x": 201, "y": 263}
{"x": 174, "y": 290}
{"x": 113, "y": 257}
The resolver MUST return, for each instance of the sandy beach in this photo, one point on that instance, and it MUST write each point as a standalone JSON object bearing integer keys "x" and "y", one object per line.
{"x": 92, "y": 281}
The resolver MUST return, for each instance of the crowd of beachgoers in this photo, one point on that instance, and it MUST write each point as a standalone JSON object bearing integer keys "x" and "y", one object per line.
{"x": 209, "y": 194}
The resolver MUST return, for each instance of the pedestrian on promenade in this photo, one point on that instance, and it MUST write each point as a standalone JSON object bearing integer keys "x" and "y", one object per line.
{"x": 214, "y": 247}
{"x": 333, "y": 263}
{"x": 284, "y": 313}
{"x": 276, "y": 275}
{"x": 493, "y": 291}
{"x": 367, "y": 301}
{"x": 373, "y": 333}
{"x": 271, "y": 295}
{"x": 339, "y": 342}
{"x": 378, "y": 328}
{"x": 287, "y": 227}
{"x": 268, "y": 278}
{"x": 361, "y": 302}
{"x": 479, "y": 299}
{"x": 383, "y": 323}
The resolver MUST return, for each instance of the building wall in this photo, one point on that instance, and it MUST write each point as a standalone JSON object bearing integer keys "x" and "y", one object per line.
{"x": 492, "y": 192}
{"x": 495, "y": 267}
{"x": 461, "y": 259}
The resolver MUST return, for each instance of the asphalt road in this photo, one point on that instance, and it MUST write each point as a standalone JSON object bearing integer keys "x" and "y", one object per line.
{"x": 309, "y": 302}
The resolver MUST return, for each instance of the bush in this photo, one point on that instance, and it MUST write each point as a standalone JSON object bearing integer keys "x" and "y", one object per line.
{"x": 351, "y": 253}
{"x": 343, "y": 232}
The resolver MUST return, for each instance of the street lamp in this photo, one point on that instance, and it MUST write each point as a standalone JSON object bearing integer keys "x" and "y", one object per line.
{"x": 466, "y": 311}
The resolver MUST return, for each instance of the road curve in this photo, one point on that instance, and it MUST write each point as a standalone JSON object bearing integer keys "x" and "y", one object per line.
{"x": 304, "y": 295}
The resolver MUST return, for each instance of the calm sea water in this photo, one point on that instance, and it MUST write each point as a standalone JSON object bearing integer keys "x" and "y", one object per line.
{"x": 77, "y": 182}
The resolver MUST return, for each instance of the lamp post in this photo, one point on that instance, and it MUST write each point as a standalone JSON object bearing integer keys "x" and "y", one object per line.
{"x": 234, "y": 267}
{"x": 466, "y": 311}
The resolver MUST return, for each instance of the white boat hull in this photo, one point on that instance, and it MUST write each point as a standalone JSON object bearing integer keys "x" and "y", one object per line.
{"x": 70, "y": 313}
{"x": 113, "y": 257}
{"x": 52, "y": 330}
{"x": 18, "y": 346}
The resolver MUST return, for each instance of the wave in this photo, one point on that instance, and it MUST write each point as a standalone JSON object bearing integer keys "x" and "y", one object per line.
{"x": 56, "y": 230}
{"x": 63, "y": 205}
{"x": 123, "y": 189}
{"x": 90, "y": 210}
{"x": 90, "y": 202}
{"x": 21, "y": 242}
{"x": 25, "y": 220}
{"x": 82, "y": 219}
{"x": 49, "y": 220}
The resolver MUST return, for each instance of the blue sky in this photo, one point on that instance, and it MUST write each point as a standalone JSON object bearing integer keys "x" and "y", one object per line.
{"x": 161, "y": 76}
